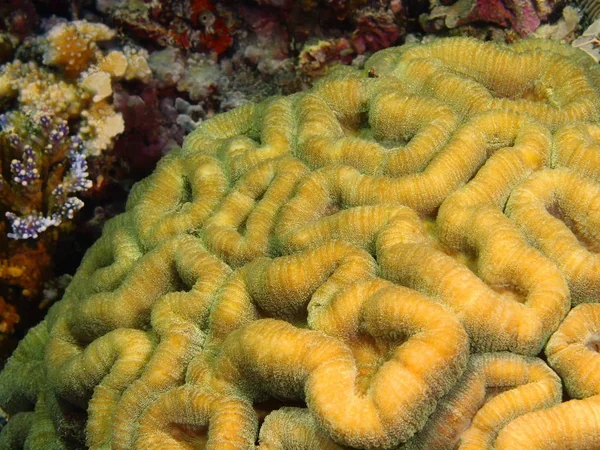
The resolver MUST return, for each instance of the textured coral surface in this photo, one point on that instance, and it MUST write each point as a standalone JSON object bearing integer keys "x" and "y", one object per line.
{"x": 380, "y": 262}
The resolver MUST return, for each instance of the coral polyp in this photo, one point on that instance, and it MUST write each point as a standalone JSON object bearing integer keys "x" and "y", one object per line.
{"x": 46, "y": 173}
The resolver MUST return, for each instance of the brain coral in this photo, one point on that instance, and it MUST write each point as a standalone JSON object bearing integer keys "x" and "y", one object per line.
{"x": 380, "y": 262}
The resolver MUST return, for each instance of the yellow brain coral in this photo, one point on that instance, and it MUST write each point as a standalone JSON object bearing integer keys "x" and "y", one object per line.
{"x": 377, "y": 263}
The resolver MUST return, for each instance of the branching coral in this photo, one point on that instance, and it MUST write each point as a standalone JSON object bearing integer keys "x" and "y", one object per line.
{"x": 521, "y": 16}
{"x": 49, "y": 167}
{"x": 57, "y": 104}
{"x": 72, "y": 46}
{"x": 42, "y": 170}
{"x": 376, "y": 263}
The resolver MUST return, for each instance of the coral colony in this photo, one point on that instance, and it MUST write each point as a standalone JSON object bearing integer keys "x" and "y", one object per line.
{"x": 133, "y": 94}
{"x": 400, "y": 261}
{"x": 58, "y": 132}
{"x": 42, "y": 170}
{"x": 306, "y": 224}
{"x": 52, "y": 144}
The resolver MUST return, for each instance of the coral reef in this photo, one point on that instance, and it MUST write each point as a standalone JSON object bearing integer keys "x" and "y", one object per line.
{"x": 376, "y": 263}
{"x": 58, "y": 126}
{"x": 256, "y": 37}
{"x": 42, "y": 170}
{"x": 522, "y": 17}
{"x": 221, "y": 54}
{"x": 82, "y": 89}
{"x": 194, "y": 24}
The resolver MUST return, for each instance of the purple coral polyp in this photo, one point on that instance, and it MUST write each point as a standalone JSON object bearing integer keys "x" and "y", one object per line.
{"x": 76, "y": 179}
{"x": 56, "y": 144}
{"x": 25, "y": 174}
{"x": 15, "y": 141}
{"x": 29, "y": 226}
{"x": 78, "y": 173}
{"x": 67, "y": 209}
{"x": 45, "y": 122}
{"x": 56, "y": 136}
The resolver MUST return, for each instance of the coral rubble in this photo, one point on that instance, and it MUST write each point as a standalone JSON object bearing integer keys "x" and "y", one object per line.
{"x": 379, "y": 262}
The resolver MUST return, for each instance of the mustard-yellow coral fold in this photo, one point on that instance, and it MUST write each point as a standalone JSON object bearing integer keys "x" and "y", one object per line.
{"x": 573, "y": 351}
{"x": 293, "y": 428}
{"x": 473, "y": 76}
{"x": 495, "y": 389}
{"x": 303, "y": 360}
{"x": 575, "y": 424}
{"x": 559, "y": 210}
{"x": 375, "y": 263}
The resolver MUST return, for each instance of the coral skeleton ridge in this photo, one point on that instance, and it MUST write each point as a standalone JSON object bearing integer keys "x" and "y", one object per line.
{"x": 379, "y": 262}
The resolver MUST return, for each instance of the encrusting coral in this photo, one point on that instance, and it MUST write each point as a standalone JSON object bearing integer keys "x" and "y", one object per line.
{"x": 376, "y": 263}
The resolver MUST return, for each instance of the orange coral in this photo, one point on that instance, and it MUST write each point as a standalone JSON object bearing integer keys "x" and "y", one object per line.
{"x": 8, "y": 317}
{"x": 72, "y": 45}
{"x": 26, "y": 267}
{"x": 573, "y": 352}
